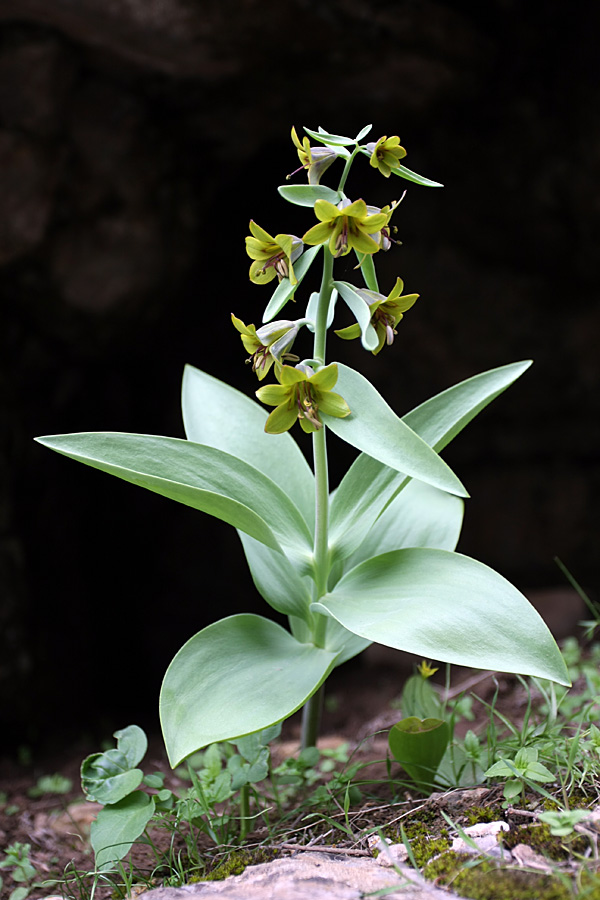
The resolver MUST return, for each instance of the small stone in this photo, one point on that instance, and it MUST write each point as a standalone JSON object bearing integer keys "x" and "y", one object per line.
{"x": 390, "y": 856}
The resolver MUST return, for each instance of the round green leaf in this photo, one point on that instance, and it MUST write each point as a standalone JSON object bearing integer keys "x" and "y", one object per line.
{"x": 117, "y": 827}
{"x": 419, "y": 746}
{"x": 235, "y": 677}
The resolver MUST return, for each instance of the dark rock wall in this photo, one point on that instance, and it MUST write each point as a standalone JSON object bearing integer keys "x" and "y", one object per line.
{"x": 136, "y": 140}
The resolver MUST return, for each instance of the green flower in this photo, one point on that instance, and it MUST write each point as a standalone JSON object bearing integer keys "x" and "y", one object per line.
{"x": 386, "y": 312}
{"x": 314, "y": 159}
{"x": 347, "y": 226}
{"x": 302, "y": 394}
{"x": 386, "y": 154}
{"x": 270, "y": 344}
{"x": 383, "y": 237}
{"x": 273, "y": 256}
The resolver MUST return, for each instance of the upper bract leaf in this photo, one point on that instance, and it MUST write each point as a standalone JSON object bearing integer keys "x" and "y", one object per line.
{"x": 308, "y": 194}
{"x": 334, "y": 140}
{"x": 369, "y": 486}
{"x": 374, "y": 428}
{"x": 442, "y": 417}
{"x": 285, "y": 288}
{"x": 445, "y": 606}
{"x": 235, "y": 677}
{"x": 361, "y": 312}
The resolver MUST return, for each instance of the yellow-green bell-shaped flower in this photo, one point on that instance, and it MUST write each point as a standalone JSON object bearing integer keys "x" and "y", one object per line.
{"x": 386, "y": 313}
{"x": 386, "y": 154}
{"x": 347, "y": 226}
{"x": 315, "y": 160}
{"x": 302, "y": 394}
{"x": 269, "y": 344}
{"x": 273, "y": 256}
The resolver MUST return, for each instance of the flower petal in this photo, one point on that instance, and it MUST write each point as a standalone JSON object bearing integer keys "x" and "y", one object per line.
{"x": 318, "y": 234}
{"x": 243, "y": 329}
{"x": 349, "y": 333}
{"x": 259, "y": 232}
{"x": 290, "y": 375}
{"x": 363, "y": 243}
{"x": 325, "y": 378}
{"x": 281, "y": 419}
{"x": 273, "y": 394}
{"x": 325, "y": 211}
{"x": 258, "y": 275}
{"x": 333, "y": 404}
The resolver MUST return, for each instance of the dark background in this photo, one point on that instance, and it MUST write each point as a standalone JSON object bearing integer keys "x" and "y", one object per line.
{"x": 136, "y": 140}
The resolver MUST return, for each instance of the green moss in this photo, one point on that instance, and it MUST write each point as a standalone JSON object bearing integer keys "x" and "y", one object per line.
{"x": 423, "y": 846}
{"x": 237, "y": 862}
{"x": 476, "y": 814}
{"x": 539, "y": 838}
{"x": 588, "y": 884}
{"x": 488, "y": 880}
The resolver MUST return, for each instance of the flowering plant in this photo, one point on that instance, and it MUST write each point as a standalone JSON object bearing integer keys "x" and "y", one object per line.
{"x": 372, "y": 561}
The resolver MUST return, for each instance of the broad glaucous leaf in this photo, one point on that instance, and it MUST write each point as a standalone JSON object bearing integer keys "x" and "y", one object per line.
{"x": 237, "y": 676}
{"x": 420, "y": 516}
{"x": 199, "y": 476}
{"x": 374, "y": 428}
{"x": 117, "y": 827}
{"x": 217, "y": 414}
{"x": 276, "y": 579}
{"x": 369, "y": 485}
{"x": 285, "y": 288}
{"x": 445, "y": 606}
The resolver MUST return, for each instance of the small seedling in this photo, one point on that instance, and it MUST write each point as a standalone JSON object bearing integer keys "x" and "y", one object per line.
{"x": 520, "y": 770}
{"x": 17, "y": 859}
{"x": 50, "y": 784}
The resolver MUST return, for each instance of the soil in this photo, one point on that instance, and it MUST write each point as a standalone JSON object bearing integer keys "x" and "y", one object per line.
{"x": 359, "y": 704}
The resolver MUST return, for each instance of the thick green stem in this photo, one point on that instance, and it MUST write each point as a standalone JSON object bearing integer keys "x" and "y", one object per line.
{"x": 311, "y": 714}
{"x": 244, "y": 811}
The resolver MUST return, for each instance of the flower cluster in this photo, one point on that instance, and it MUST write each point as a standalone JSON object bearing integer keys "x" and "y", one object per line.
{"x": 304, "y": 389}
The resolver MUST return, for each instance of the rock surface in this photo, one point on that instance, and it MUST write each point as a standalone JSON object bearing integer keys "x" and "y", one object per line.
{"x": 309, "y": 876}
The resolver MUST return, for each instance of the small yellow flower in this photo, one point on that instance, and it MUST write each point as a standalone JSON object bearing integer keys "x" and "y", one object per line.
{"x": 386, "y": 313}
{"x": 425, "y": 669}
{"x": 301, "y": 394}
{"x": 314, "y": 159}
{"x": 273, "y": 256}
{"x": 270, "y": 344}
{"x": 347, "y": 226}
{"x": 386, "y": 154}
